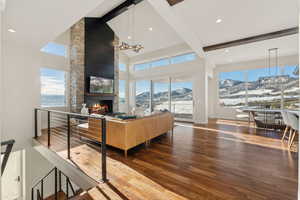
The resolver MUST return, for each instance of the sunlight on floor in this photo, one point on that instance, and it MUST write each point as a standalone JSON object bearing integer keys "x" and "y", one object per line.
{"x": 246, "y": 138}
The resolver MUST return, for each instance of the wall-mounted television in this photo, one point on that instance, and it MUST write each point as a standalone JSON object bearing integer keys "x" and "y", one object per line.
{"x": 101, "y": 85}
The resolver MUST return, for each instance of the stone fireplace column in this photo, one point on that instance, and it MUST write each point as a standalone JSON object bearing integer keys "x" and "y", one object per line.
{"x": 116, "y": 76}
{"x": 76, "y": 98}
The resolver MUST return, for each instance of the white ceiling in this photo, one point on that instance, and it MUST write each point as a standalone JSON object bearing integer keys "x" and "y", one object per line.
{"x": 38, "y": 22}
{"x": 286, "y": 46}
{"x": 145, "y": 16}
{"x": 104, "y": 8}
{"x": 240, "y": 19}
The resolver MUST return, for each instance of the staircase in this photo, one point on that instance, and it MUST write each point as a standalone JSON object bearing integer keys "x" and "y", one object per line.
{"x": 63, "y": 187}
{"x": 60, "y": 196}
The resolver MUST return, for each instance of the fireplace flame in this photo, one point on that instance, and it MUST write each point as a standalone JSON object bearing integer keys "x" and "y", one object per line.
{"x": 100, "y": 109}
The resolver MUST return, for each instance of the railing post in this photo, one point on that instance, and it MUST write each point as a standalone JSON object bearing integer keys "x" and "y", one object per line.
{"x": 35, "y": 123}
{"x": 67, "y": 186}
{"x": 59, "y": 181}
{"x": 103, "y": 149}
{"x": 42, "y": 189}
{"x": 49, "y": 128}
{"x": 69, "y": 138}
{"x": 55, "y": 185}
{"x": 32, "y": 193}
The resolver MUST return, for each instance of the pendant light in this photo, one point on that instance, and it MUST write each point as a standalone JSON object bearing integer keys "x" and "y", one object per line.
{"x": 131, "y": 36}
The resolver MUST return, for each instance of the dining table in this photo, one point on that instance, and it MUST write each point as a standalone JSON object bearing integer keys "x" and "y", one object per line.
{"x": 267, "y": 118}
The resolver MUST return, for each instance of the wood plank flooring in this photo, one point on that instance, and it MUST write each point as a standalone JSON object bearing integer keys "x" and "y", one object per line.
{"x": 221, "y": 160}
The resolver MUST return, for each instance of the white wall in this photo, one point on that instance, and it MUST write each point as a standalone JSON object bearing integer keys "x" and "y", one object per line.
{"x": 2, "y": 7}
{"x": 218, "y": 111}
{"x": 21, "y": 95}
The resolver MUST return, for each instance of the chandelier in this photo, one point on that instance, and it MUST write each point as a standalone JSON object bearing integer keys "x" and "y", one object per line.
{"x": 125, "y": 45}
{"x": 136, "y": 48}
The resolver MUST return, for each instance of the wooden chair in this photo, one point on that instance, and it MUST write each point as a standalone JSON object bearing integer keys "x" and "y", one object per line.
{"x": 294, "y": 122}
{"x": 287, "y": 124}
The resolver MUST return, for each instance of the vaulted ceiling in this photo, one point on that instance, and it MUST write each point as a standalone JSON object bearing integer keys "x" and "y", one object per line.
{"x": 149, "y": 28}
{"x": 195, "y": 22}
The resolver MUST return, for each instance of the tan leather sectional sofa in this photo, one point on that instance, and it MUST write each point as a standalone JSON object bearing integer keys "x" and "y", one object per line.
{"x": 126, "y": 134}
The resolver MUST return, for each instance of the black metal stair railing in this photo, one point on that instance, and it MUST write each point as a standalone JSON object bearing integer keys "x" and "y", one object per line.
{"x": 9, "y": 145}
{"x": 67, "y": 125}
{"x": 37, "y": 191}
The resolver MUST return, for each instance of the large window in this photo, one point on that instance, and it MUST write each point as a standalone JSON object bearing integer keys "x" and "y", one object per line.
{"x": 275, "y": 87}
{"x": 160, "y": 95}
{"x": 53, "y": 87}
{"x": 264, "y": 87}
{"x": 122, "y": 67}
{"x": 183, "y": 58}
{"x": 56, "y": 49}
{"x": 232, "y": 89}
{"x": 161, "y": 62}
{"x": 291, "y": 90}
{"x": 122, "y": 90}
{"x": 177, "y": 97}
{"x": 142, "y": 66}
{"x": 182, "y": 99}
{"x": 166, "y": 61}
{"x": 142, "y": 98}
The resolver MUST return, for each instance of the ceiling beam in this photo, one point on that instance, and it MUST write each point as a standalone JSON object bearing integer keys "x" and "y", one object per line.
{"x": 257, "y": 38}
{"x": 174, "y": 2}
{"x": 119, "y": 10}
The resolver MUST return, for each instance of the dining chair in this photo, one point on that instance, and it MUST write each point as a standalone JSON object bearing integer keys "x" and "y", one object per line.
{"x": 287, "y": 124}
{"x": 294, "y": 122}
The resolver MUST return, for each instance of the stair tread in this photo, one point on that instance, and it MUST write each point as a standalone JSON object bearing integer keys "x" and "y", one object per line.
{"x": 100, "y": 192}
{"x": 61, "y": 196}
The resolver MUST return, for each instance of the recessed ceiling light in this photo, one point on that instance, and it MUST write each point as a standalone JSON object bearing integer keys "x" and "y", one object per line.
{"x": 129, "y": 37}
{"x": 150, "y": 29}
{"x": 11, "y": 30}
{"x": 218, "y": 21}
{"x": 226, "y": 50}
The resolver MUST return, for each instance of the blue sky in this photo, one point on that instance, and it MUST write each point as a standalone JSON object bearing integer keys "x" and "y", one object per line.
{"x": 56, "y": 49}
{"x": 254, "y": 74}
{"x": 52, "y": 82}
{"x": 122, "y": 67}
{"x": 122, "y": 87}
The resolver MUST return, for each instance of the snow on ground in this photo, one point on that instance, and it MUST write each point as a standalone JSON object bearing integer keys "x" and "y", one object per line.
{"x": 183, "y": 107}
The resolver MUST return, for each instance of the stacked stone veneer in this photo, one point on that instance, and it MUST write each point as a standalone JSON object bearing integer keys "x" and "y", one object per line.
{"x": 77, "y": 74}
{"x": 77, "y": 66}
{"x": 116, "y": 77}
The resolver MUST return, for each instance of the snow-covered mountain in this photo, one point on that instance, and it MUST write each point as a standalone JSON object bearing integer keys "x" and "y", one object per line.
{"x": 229, "y": 83}
{"x": 265, "y": 89}
{"x": 181, "y": 94}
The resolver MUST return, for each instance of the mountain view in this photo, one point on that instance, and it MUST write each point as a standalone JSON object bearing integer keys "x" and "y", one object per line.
{"x": 264, "y": 91}
{"x": 181, "y": 104}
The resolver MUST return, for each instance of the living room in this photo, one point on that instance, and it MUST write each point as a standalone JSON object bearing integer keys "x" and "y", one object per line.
{"x": 154, "y": 99}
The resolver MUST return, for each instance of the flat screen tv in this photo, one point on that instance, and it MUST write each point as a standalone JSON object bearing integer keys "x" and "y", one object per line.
{"x": 101, "y": 85}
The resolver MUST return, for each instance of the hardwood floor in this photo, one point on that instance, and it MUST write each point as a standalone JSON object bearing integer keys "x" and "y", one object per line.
{"x": 221, "y": 160}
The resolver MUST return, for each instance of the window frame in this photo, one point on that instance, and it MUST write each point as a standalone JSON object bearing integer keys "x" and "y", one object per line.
{"x": 125, "y": 93}
{"x": 169, "y": 59}
{"x": 66, "y": 86}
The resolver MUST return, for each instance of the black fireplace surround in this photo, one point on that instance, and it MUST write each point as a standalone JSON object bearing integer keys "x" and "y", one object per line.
{"x": 99, "y": 59}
